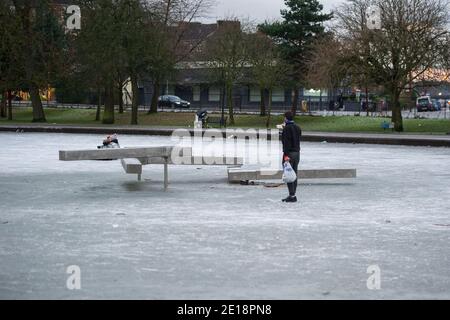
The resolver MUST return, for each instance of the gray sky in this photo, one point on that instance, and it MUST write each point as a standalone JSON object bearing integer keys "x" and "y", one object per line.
{"x": 258, "y": 10}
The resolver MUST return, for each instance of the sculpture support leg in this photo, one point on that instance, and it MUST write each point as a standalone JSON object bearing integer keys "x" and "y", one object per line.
{"x": 166, "y": 174}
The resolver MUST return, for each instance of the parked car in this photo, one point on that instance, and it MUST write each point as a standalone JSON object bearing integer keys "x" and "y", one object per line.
{"x": 425, "y": 104}
{"x": 172, "y": 102}
{"x": 436, "y": 105}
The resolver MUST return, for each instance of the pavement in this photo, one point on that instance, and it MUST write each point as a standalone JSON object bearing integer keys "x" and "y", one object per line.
{"x": 331, "y": 137}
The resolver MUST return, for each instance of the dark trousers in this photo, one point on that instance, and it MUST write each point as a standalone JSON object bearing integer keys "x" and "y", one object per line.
{"x": 295, "y": 160}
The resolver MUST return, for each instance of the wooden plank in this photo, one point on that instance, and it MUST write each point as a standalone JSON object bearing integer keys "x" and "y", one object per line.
{"x": 114, "y": 154}
{"x": 238, "y": 175}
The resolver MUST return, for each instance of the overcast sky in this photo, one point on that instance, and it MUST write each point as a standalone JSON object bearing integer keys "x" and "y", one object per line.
{"x": 258, "y": 10}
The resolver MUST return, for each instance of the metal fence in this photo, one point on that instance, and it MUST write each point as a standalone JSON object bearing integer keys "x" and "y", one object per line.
{"x": 313, "y": 109}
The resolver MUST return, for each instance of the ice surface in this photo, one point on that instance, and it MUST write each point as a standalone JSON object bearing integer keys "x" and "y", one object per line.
{"x": 205, "y": 239}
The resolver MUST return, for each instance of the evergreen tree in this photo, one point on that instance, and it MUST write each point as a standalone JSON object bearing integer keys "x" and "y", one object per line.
{"x": 302, "y": 24}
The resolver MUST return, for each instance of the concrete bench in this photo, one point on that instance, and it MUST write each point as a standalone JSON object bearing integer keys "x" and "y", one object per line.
{"x": 196, "y": 161}
{"x": 115, "y": 154}
{"x": 237, "y": 175}
{"x": 132, "y": 166}
{"x": 132, "y": 159}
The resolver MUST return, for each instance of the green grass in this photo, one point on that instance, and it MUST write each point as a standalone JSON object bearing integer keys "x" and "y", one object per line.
{"x": 87, "y": 117}
{"x": 308, "y": 123}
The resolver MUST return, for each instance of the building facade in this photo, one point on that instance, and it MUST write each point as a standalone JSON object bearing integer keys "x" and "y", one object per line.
{"x": 195, "y": 82}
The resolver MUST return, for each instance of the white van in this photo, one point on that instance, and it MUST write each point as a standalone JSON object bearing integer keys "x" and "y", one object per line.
{"x": 424, "y": 103}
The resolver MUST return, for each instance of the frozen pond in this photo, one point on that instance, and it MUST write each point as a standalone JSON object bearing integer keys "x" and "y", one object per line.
{"x": 206, "y": 239}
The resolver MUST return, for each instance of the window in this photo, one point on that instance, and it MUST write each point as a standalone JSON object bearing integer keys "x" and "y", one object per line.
{"x": 255, "y": 94}
{"x": 315, "y": 95}
{"x": 278, "y": 95}
{"x": 196, "y": 93}
{"x": 214, "y": 94}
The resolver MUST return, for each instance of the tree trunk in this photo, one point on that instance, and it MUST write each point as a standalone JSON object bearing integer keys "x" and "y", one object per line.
{"x": 156, "y": 89}
{"x": 367, "y": 101}
{"x": 3, "y": 105}
{"x": 397, "y": 118}
{"x": 10, "y": 113}
{"x": 263, "y": 103}
{"x": 36, "y": 103}
{"x": 135, "y": 100}
{"x": 108, "y": 113}
{"x": 269, "y": 112}
{"x": 295, "y": 102}
{"x": 99, "y": 105}
{"x": 230, "y": 103}
{"x": 120, "y": 97}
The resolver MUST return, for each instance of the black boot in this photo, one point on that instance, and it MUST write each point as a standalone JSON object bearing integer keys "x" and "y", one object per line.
{"x": 290, "y": 199}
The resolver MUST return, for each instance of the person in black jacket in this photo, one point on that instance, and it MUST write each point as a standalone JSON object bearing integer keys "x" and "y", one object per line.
{"x": 291, "y": 150}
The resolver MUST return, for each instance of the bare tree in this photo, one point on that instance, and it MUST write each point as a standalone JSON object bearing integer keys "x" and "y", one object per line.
{"x": 35, "y": 48}
{"x": 261, "y": 57}
{"x": 328, "y": 67}
{"x": 227, "y": 53}
{"x": 268, "y": 68}
{"x": 8, "y": 60}
{"x": 100, "y": 51}
{"x": 411, "y": 41}
{"x": 171, "y": 23}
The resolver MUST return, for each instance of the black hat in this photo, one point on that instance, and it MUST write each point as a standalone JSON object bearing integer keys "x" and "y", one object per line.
{"x": 289, "y": 116}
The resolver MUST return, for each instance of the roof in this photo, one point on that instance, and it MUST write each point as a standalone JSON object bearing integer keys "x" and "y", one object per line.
{"x": 192, "y": 31}
{"x": 189, "y": 77}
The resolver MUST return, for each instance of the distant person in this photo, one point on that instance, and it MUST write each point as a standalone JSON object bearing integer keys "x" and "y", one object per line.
{"x": 341, "y": 102}
{"x": 111, "y": 141}
{"x": 331, "y": 105}
{"x": 291, "y": 150}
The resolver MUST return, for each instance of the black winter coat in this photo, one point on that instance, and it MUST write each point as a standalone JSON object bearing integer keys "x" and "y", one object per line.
{"x": 291, "y": 138}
